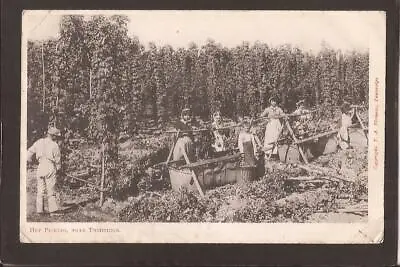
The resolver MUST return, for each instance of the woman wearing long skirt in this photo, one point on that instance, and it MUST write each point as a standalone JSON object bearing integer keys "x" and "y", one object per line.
{"x": 345, "y": 123}
{"x": 273, "y": 127}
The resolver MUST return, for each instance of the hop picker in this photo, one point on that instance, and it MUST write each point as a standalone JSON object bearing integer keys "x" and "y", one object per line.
{"x": 48, "y": 154}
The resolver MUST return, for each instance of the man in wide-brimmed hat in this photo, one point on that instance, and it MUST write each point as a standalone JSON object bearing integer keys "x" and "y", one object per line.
{"x": 48, "y": 154}
{"x": 273, "y": 128}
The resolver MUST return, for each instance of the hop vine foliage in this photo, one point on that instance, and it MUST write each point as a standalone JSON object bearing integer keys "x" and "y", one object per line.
{"x": 101, "y": 81}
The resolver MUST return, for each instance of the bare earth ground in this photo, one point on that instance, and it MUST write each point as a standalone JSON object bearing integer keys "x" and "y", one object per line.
{"x": 85, "y": 208}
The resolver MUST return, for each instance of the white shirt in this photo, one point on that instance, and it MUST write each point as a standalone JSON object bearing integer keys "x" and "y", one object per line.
{"x": 346, "y": 120}
{"x": 48, "y": 154}
{"x": 247, "y": 137}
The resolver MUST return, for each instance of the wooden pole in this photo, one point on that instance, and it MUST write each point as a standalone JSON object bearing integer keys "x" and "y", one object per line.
{"x": 171, "y": 151}
{"x": 361, "y": 123}
{"x": 102, "y": 174}
{"x": 43, "y": 84}
{"x": 296, "y": 140}
{"x": 196, "y": 181}
{"x": 90, "y": 83}
{"x": 316, "y": 136}
{"x": 286, "y": 115}
{"x": 82, "y": 180}
{"x": 210, "y": 161}
{"x": 322, "y": 171}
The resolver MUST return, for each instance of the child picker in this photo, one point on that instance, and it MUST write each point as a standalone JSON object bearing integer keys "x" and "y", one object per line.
{"x": 248, "y": 144}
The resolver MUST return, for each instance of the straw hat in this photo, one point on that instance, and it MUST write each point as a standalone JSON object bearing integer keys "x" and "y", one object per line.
{"x": 186, "y": 110}
{"x": 54, "y": 132}
{"x": 273, "y": 98}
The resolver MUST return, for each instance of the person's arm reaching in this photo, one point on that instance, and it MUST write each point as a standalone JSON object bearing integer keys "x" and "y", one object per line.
{"x": 264, "y": 113}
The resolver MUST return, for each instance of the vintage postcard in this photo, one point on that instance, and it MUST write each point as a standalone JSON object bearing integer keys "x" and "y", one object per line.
{"x": 202, "y": 126}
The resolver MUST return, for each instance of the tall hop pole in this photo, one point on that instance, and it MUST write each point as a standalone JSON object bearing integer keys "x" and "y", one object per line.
{"x": 43, "y": 77}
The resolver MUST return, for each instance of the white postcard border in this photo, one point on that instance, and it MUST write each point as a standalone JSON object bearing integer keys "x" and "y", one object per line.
{"x": 324, "y": 233}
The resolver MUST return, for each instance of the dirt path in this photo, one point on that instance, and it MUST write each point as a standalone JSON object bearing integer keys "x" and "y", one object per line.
{"x": 82, "y": 212}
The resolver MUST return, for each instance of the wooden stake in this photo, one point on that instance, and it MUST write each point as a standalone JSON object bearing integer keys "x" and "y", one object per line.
{"x": 87, "y": 182}
{"x": 44, "y": 89}
{"x": 196, "y": 181}
{"x": 362, "y": 124}
{"x": 102, "y": 174}
{"x": 296, "y": 140}
{"x": 171, "y": 151}
{"x": 90, "y": 83}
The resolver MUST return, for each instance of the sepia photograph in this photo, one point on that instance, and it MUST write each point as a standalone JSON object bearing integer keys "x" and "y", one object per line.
{"x": 189, "y": 126}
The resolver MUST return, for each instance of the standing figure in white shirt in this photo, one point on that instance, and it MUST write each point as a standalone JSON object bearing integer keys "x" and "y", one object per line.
{"x": 49, "y": 156}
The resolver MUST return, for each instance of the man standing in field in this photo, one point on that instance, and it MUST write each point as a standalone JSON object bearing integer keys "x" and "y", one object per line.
{"x": 49, "y": 156}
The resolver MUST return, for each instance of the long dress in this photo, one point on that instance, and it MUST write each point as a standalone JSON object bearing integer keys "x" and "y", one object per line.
{"x": 300, "y": 124}
{"x": 272, "y": 129}
{"x": 343, "y": 134}
{"x": 184, "y": 143}
{"x": 247, "y": 145}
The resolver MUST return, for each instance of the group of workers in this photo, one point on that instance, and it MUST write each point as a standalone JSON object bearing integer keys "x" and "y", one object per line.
{"x": 272, "y": 131}
{"x": 48, "y": 153}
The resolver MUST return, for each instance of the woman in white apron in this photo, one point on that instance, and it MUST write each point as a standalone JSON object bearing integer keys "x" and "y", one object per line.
{"x": 345, "y": 123}
{"x": 273, "y": 127}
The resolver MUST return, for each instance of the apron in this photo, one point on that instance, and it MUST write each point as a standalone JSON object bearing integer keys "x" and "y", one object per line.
{"x": 272, "y": 131}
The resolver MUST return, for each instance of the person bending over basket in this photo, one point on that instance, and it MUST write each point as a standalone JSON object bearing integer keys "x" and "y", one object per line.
{"x": 345, "y": 123}
{"x": 273, "y": 127}
{"x": 185, "y": 138}
{"x": 48, "y": 154}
